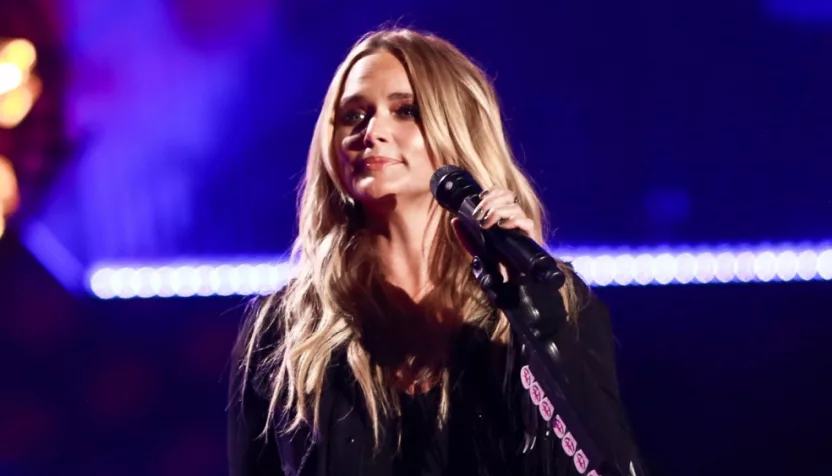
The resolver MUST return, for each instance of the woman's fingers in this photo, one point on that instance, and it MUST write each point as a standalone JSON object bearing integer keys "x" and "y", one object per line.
{"x": 501, "y": 207}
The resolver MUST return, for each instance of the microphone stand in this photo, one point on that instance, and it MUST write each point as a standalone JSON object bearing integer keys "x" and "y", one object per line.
{"x": 543, "y": 374}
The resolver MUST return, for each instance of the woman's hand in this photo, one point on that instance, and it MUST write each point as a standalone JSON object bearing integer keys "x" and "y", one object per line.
{"x": 498, "y": 207}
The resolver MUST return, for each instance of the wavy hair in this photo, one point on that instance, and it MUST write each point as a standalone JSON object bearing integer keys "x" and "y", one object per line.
{"x": 316, "y": 312}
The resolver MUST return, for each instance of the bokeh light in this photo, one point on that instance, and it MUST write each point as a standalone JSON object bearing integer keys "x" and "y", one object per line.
{"x": 19, "y": 86}
{"x": 9, "y": 193}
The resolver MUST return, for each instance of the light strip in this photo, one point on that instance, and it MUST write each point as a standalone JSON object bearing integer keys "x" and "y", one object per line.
{"x": 598, "y": 266}
{"x": 737, "y": 264}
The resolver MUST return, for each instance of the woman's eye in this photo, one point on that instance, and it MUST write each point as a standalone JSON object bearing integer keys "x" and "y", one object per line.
{"x": 408, "y": 110}
{"x": 351, "y": 117}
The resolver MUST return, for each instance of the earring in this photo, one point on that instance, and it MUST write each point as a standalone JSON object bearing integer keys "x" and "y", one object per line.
{"x": 348, "y": 202}
{"x": 352, "y": 210}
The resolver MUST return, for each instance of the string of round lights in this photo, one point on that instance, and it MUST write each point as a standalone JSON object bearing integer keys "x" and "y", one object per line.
{"x": 598, "y": 266}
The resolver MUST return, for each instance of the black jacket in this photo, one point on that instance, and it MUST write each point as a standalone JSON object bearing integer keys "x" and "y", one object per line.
{"x": 492, "y": 420}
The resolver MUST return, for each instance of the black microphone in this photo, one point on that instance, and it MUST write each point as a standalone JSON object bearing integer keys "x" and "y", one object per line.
{"x": 457, "y": 191}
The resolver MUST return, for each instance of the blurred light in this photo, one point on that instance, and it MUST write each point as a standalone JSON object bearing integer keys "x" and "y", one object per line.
{"x": 598, "y": 267}
{"x": 9, "y": 194}
{"x": 16, "y": 104}
{"x": 19, "y": 88}
{"x": 20, "y": 53}
{"x": 11, "y": 77}
{"x": 221, "y": 279}
{"x": 704, "y": 266}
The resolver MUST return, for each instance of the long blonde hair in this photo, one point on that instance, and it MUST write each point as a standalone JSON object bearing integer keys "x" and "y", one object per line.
{"x": 315, "y": 313}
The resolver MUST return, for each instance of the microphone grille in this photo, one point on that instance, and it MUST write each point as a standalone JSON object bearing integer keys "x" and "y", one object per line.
{"x": 441, "y": 173}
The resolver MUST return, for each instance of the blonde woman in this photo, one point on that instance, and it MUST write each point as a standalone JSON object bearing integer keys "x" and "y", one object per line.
{"x": 383, "y": 356}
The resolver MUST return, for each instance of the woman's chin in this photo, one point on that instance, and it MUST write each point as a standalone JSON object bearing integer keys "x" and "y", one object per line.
{"x": 375, "y": 190}
{"x": 373, "y": 196}
{"x": 385, "y": 193}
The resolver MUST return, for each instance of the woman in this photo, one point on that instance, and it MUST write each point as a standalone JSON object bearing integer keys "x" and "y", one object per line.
{"x": 383, "y": 356}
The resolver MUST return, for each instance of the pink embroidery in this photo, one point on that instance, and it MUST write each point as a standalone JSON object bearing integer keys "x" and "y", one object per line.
{"x": 546, "y": 409}
{"x": 526, "y": 377}
{"x": 569, "y": 444}
{"x": 581, "y": 462}
{"x": 559, "y": 427}
{"x": 537, "y": 393}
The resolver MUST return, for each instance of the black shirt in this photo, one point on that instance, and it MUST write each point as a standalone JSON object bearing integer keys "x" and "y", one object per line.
{"x": 423, "y": 450}
{"x": 482, "y": 435}
{"x": 477, "y": 424}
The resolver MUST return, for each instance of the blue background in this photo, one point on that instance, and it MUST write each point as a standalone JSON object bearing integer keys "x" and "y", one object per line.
{"x": 643, "y": 123}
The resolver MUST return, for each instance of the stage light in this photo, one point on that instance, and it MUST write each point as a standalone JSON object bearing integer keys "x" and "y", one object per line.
{"x": 9, "y": 194}
{"x": 705, "y": 266}
{"x": 19, "y": 52}
{"x": 16, "y": 104}
{"x": 19, "y": 86}
{"x": 11, "y": 77}
{"x": 599, "y": 267}
{"x": 219, "y": 279}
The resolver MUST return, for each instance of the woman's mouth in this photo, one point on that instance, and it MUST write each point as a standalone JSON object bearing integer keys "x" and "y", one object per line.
{"x": 374, "y": 162}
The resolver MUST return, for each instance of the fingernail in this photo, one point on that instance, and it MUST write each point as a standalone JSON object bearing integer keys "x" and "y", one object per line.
{"x": 484, "y": 193}
{"x": 485, "y": 217}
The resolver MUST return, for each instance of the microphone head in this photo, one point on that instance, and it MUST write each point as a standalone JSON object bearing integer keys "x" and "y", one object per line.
{"x": 451, "y": 185}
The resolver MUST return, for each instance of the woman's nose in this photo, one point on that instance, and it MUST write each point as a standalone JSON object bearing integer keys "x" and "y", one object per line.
{"x": 377, "y": 131}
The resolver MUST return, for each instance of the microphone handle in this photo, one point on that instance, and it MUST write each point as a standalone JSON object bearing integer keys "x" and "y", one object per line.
{"x": 516, "y": 251}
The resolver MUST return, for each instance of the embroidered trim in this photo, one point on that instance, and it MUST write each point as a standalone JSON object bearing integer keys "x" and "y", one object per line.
{"x": 548, "y": 412}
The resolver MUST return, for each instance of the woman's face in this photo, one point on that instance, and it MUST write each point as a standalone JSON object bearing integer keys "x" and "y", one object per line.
{"x": 379, "y": 135}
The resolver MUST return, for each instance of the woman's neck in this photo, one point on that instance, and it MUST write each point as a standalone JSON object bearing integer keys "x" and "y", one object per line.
{"x": 415, "y": 342}
{"x": 402, "y": 241}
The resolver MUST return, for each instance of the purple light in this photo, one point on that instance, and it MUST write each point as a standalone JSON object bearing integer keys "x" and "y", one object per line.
{"x": 599, "y": 267}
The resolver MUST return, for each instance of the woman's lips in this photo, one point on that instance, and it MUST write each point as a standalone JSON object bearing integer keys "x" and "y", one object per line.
{"x": 374, "y": 163}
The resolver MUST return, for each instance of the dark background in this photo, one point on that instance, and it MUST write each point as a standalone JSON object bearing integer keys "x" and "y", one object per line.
{"x": 718, "y": 379}
{"x": 178, "y": 129}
